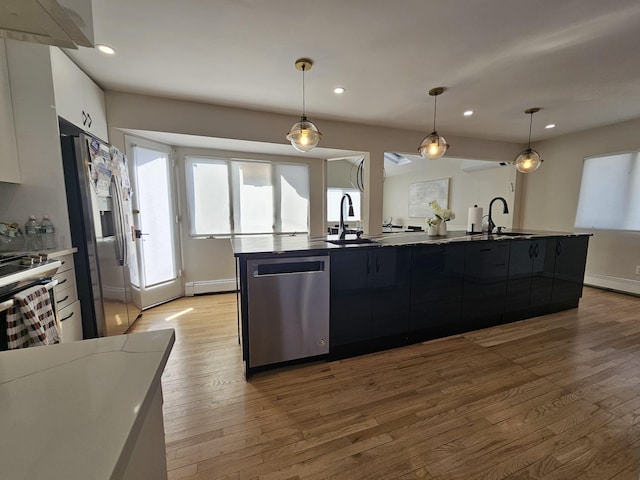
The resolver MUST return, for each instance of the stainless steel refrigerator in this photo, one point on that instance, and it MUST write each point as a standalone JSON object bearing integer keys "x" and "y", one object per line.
{"x": 100, "y": 215}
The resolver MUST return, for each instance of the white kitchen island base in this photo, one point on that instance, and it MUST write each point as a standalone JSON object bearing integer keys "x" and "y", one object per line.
{"x": 89, "y": 409}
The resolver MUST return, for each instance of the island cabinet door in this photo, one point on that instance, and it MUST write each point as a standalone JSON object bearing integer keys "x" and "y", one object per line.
{"x": 568, "y": 276}
{"x": 542, "y": 274}
{"x": 389, "y": 287}
{"x": 485, "y": 283}
{"x": 520, "y": 274}
{"x": 436, "y": 288}
{"x": 530, "y": 278}
{"x": 350, "y": 317}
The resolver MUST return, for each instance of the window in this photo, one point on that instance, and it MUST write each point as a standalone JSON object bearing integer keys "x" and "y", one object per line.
{"x": 610, "y": 193}
{"x": 246, "y": 197}
{"x": 334, "y": 196}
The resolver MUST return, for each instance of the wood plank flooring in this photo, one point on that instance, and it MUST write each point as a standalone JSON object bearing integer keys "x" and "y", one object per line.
{"x": 556, "y": 397}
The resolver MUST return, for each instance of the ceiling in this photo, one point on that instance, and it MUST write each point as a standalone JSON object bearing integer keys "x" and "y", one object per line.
{"x": 576, "y": 59}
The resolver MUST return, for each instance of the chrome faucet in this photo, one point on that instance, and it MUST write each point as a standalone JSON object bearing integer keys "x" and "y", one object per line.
{"x": 342, "y": 232}
{"x": 505, "y": 211}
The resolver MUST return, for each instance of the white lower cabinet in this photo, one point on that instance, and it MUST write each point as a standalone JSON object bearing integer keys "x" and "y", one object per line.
{"x": 66, "y": 298}
{"x": 71, "y": 318}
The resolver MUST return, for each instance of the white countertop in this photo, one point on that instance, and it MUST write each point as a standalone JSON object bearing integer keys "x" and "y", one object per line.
{"x": 73, "y": 410}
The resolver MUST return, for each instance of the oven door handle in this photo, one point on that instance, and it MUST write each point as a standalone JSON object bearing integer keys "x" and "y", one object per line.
{"x": 7, "y": 304}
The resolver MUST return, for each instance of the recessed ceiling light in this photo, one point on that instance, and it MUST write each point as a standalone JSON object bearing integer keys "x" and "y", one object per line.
{"x": 551, "y": 125}
{"x": 338, "y": 90}
{"x": 106, "y": 49}
{"x": 468, "y": 113}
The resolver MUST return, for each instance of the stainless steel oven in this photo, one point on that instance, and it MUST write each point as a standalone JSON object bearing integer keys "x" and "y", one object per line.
{"x": 19, "y": 272}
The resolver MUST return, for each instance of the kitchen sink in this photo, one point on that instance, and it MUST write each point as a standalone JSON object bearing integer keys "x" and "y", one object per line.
{"x": 513, "y": 234}
{"x": 351, "y": 241}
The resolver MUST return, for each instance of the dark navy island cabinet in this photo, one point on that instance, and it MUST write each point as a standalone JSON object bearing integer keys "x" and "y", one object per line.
{"x": 390, "y": 296}
{"x": 369, "y": 297}
{"x": 436, "y": 289}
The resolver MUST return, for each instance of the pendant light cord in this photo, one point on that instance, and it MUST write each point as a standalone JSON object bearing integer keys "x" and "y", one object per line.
{"x": 530, "y": 123}
{"x": 435, "y": 109}
{"x": 304, "y": 111}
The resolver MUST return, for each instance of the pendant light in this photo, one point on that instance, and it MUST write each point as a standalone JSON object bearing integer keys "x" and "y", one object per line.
{"x": 528, "y": 160}
{"x": 433, "y": 146}
{"x": 304, "y": 135}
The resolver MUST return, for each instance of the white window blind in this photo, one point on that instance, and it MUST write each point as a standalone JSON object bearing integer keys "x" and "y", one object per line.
{"x": 610, "y": 193}
{"x": 246, "y": 197}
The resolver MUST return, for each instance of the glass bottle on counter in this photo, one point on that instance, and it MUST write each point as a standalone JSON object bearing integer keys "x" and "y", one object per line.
{"x": 48, "y": 233}
{"x": 32, "y": 234}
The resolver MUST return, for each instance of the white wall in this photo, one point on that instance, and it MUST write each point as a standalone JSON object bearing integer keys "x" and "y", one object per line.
{"x": 551, "y": 198}
{"x": 466, "y": 189}
{"x": 41, "y": 191}
{"x": 339, "y": 174}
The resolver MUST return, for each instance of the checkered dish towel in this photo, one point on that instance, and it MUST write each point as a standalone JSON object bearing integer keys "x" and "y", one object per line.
{"x": 33, "y": 322}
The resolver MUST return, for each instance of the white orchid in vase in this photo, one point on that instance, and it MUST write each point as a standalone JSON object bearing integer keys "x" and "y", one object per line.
{"x": 442, "y": 215}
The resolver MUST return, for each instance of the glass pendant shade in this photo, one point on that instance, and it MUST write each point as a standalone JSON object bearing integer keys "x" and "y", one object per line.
{"x": 527, "y": 161}
{"x": 304, "y": 135}
{"x": 433, "y": 146}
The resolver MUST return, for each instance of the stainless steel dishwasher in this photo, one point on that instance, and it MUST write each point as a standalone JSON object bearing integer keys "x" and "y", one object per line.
{"x": 288, "y": 303}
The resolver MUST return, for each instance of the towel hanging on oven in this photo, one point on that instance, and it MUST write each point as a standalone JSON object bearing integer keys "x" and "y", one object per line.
{"x": 33, "y": 314}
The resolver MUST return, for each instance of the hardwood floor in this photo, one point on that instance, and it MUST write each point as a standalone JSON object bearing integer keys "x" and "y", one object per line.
{"x": 555, "y": 398}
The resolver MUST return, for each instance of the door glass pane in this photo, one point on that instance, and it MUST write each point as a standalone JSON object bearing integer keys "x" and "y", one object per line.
{"x": 208, "y": 196}
{"x": 255, "y": 198}
{"x": 155, "y": 218}
{"x": 294, "y": 197}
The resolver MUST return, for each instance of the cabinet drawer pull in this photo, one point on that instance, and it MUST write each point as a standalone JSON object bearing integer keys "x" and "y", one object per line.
{"x": 67, "y": 317}
{"x": 65, "y": 298}
{"x": 63, "y": 281}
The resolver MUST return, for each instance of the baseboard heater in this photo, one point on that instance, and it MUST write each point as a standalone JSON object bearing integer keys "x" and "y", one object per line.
{"x": 209, "y": 286}
{"x": 625, "y": 285}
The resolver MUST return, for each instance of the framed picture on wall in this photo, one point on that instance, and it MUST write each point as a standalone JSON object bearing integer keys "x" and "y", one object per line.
{"x": 421, "y": 193}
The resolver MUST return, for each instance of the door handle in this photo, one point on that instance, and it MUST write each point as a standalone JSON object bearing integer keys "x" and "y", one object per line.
{"x": 139, "y": 234}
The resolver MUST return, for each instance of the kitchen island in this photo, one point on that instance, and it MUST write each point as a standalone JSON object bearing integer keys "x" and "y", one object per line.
{"x": 397, "y": 289}
{"x": 88, "y": 409}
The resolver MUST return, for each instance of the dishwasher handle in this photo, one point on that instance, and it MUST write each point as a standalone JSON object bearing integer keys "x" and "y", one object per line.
{"x": 288, "y": 268}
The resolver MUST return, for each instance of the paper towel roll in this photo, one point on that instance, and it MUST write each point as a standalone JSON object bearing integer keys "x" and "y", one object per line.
{"x": 474, "y": 221}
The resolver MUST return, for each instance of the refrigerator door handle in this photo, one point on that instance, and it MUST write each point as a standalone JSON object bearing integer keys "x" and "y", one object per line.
{"x": 120, "y": 234}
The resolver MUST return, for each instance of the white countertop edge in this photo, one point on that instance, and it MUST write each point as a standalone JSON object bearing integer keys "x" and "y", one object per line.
{"x": 154, "y": 382}
{"x": 22, "y": 383}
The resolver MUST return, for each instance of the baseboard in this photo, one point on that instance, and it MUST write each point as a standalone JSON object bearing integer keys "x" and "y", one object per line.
{"x": 210, "y": 286}
{"x": 618, "y": 284}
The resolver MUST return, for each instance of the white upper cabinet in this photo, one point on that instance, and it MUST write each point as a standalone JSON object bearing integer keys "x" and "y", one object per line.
{"x": 9, "y": 163}
{"x": 78, "y": 99}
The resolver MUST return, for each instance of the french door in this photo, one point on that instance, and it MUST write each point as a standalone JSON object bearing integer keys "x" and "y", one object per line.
{"x": 158, "y": 278}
